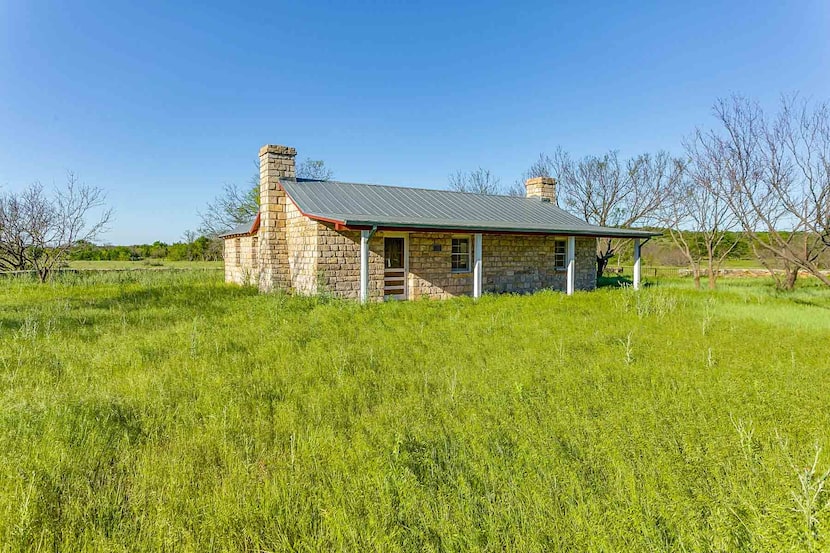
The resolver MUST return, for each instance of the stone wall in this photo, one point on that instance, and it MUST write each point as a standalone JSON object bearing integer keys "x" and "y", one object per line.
{"x": 430, "y": 267}
{"x": 520, "y": 264}
{"x": 275, "y": 162}
{"x": 338, "y": 265}
{"x": 586, "y": 263}
{"x": 301, "y": 237}
{"x": 525, "y": 263}
{"x": 241, "y": 257}
{"x": 510, "y": 263}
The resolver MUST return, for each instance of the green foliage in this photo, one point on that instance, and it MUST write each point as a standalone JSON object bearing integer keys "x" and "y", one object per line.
{"x": 168, "y": 411}
{"x": 199, "y": 249}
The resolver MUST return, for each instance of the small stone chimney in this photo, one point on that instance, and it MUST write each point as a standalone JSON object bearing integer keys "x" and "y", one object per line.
{"x": 543, "y": 188}
{"x": 275, "y": 163}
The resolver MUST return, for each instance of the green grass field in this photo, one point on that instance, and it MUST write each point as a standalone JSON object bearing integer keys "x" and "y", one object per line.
{"x": 169, "y": 412}
{"x": 143, "y": 264}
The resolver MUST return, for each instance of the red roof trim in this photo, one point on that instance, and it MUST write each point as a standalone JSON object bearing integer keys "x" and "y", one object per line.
{"x": 253, "y": 230}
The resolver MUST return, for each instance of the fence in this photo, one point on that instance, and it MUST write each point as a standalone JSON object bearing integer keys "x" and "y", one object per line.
{"x": 648, "y": 272}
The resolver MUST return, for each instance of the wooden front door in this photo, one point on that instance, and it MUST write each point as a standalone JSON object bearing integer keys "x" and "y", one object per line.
{"x": 394, "y": 268}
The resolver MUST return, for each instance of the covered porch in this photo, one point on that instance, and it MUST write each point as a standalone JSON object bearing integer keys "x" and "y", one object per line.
{"x": 419, "y": 263}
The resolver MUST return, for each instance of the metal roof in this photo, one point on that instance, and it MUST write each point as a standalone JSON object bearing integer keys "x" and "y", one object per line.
{"x": 369, "y": 205}
{"x": 239, "y": 230}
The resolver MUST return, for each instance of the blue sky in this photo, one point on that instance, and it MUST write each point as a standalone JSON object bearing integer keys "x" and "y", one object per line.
{"x": 160, "y": 104}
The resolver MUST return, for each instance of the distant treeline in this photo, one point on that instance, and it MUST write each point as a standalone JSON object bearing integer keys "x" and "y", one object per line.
{"x": 200, "y": 249}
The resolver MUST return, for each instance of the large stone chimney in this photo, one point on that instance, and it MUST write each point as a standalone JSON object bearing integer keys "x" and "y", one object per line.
{"x": 543, "y": 188}
{"x": 275, "y": 162}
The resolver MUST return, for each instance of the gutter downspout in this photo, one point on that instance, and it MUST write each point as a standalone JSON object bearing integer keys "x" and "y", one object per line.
{"x": 365, "y": 236}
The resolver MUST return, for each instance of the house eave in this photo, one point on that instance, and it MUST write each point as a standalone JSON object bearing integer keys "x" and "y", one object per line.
{"x": 364, "y": 224}
{"x": 254, "y": 228}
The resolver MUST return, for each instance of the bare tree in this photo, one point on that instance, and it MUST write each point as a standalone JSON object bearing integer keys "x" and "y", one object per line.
{"x": 607, "y": 191}
{"x": 234, "y": 206}
{"x": 698, "y": 217}
{"x": 314, "y": 169}
{"x": 13, "y": 243}
{"x": 43, "y": 229}
{"x": 477, "y": 181}
{"x": 777, "y": 181}
{"x": 237, "y": 205}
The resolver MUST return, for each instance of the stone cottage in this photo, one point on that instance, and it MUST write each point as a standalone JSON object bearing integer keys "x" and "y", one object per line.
{"x": 372, "y": 242}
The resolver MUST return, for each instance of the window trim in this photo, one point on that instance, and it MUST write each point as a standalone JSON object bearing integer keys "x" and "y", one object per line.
{"x": 469, "y": 268}
{"x": 564, "y": 254}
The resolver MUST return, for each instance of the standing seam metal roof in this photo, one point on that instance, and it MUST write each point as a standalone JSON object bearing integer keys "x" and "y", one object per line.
{"x": 354, "y": 204}
{"x": 242, "y": 229}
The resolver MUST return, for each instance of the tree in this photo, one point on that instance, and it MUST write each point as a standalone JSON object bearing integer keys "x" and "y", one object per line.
{"x": 539, "y": 168}
{"x": 314, "y": 169}
{"x": 698, "y": 217}
{"x": 234, "y": 206}
{"x": 776, "y": 180}
{"x": 607, "y": 191}
{"x": 37, "y": 231}
{"x": 13, "y": 241}
{"x": 237, "y": 205}
{"x": 477, "y": 181}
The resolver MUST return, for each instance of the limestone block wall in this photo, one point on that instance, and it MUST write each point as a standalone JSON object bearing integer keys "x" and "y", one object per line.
{"x": 586, "y": 263}
{"x": 430, "y": 267}
{"x": 525, "y": 263}
{"x": 241, "y": 257}
{"x": 511, "y": 263}
{"x": 301, "y": 237}
{"x": 519, "y": 264}
{"x": 338, "y": 263}
{"x": 275, "y": 162}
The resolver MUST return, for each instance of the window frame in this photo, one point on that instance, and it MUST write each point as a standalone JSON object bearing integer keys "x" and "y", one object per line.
{"x": 468, "y": 253}
{"x": 563, "y": 254}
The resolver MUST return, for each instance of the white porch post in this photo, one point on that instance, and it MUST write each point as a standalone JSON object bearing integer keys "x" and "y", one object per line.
{"x": 571, "y": 254}
{"x": 637, "y": 264}
{"x": 364, "y": 265}
{"x": 477, "y": 266}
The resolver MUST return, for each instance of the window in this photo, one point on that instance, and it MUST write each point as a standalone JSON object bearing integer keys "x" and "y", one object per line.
{"x": 460, "y": 255}
{"x": 255, "y": 252}
{"x": 238, "y": 252}
{"x": 560, "y": 247}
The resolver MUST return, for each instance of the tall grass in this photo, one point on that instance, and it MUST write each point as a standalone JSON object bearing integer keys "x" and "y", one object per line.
{"x": 172, "y": 412}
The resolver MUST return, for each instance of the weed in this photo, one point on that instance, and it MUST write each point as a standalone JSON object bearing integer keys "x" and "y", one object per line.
{"x": 811, "y": 497}
{"x": 627, "y": 348}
